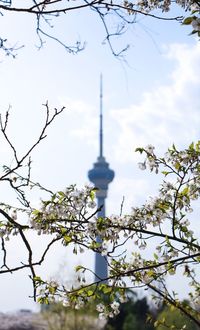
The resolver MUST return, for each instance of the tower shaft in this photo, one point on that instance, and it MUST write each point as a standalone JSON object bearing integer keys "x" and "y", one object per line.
{"x": 101, "y": 266}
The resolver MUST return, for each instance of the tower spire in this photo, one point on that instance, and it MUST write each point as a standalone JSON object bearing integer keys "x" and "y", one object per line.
{"x": 101, "y": 118}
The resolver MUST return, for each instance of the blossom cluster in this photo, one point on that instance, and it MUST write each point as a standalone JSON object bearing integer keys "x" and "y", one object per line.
{"x": 164, "y": 5}
{"x": 77, "y": 297}
{"x": 7, "y": 228}
{"x": 104, "y": 312}
{"x": 64, "y": 210}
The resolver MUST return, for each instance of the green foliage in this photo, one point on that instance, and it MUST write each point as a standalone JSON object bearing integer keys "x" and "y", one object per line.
{"x": 172, "y": 318}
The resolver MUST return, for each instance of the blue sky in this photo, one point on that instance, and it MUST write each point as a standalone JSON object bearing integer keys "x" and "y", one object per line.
{"x": 153, "y": 97}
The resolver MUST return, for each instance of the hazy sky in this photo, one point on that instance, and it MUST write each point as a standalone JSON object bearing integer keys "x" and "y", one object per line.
{"x": 153, "y": 97}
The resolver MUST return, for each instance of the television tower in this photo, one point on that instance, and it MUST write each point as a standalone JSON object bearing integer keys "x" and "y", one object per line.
{"x": 101, "y": 176}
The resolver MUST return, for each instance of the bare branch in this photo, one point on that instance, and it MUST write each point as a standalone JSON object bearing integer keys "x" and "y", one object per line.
{"x": 125, "y": 12}
{"x": 19, "y": 161}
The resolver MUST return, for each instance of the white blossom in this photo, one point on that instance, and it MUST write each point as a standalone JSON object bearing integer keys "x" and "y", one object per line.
{"x": 100, "y": 308}
{"x": 196, "y": 24}
{"x": 149, "y": 148}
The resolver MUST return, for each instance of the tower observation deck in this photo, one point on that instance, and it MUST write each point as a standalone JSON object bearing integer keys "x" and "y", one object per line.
{"x": 101, "y": 175}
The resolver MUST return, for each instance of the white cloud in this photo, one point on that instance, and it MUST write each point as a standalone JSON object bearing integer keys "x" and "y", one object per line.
{"x": 167, "y": 114}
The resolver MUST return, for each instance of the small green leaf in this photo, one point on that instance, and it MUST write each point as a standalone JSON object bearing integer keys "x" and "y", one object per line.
{"x": 174, "y": 147}
{"x": 155, "y": 256}
{"x": 52, "y": 289}
{"x": 93, "y": 194}
{"x": 191, "y": 146}
{"x": 107, "y": 289}
{"x": 43, "y": 300}
{"x": 36, "y": 212}
{"x": 177, "y": 166}
{"x": 140, "y": 150}
{"x": 156, "y": 323}
{"x": 165, "y": 173}
{"x": 79, "y": 267}
{"x": 67, "y": 239}
{"x": 184, "y": 192}
{"x": 61, "y": 193}
{"x": 63, "y": 230}
{"x": 197, "y": 146}
{"x": 184, "y": 229}
{"x": 193, "y": 32}
{"x": 167, "y": 241}
{"x": 90, "y": 293}
{"x": 188, "y": 20}
{"x": 37, "y": 279}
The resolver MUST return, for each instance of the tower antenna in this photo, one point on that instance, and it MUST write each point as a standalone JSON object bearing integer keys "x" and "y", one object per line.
{"x": 101, "y": 118}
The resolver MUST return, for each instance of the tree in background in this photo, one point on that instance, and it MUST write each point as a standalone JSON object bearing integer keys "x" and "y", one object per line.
{"x": 133, "y": 315}
{"x": 58, "y": 317}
